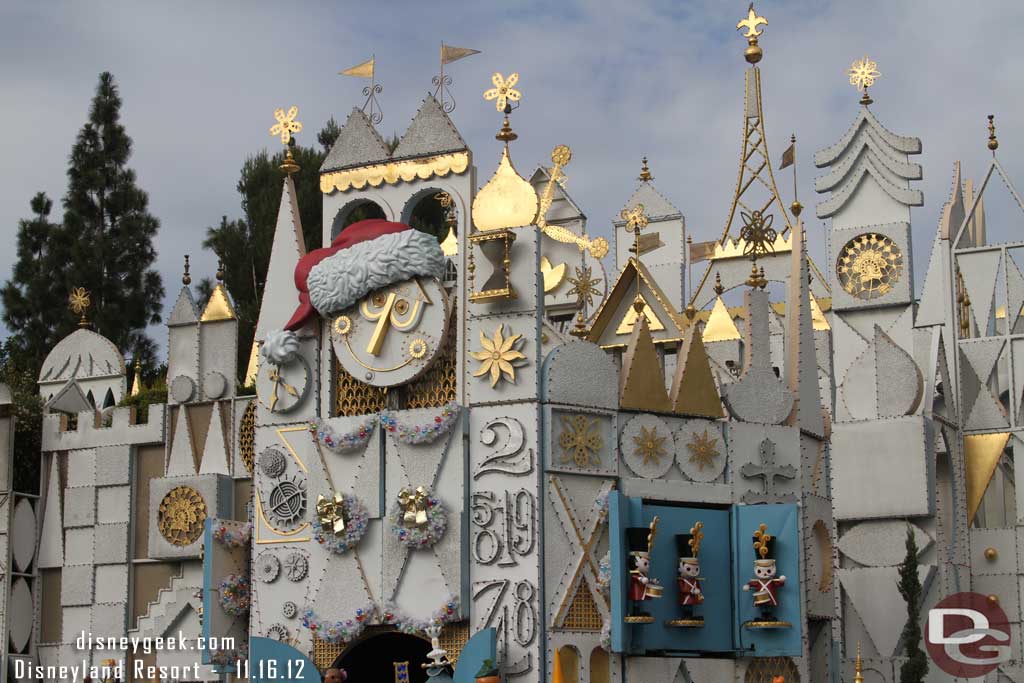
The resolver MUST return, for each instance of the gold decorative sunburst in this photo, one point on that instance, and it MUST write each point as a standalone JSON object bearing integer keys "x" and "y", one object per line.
{"x": 649, "y": 446}
{"x": 863, "y": 73}
{"x": 703, "y": 450}
{"x": 286, "y": 124}
{"x": 181, "y": 515}
{"x": 869, "y": 266}
{"x": 498, "y": 355}
{"x": 584, "y": 286}
{"x": 502, "y": 93}
{"x": 579, "y": 440}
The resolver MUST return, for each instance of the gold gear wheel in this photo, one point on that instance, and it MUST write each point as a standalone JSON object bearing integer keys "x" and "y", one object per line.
{"x": 418, "y": 348}
{"x": 181, "y": 515}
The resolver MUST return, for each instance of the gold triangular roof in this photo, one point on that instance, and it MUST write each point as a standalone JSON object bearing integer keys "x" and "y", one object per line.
{"x": 219, "y": 307}
{"x": 720, "y": 325}
{"x": 610, "y": 312}
{"x": 642, "y": 381}
{"x": 627, "y": 322}
{"x": 693, "y": 388}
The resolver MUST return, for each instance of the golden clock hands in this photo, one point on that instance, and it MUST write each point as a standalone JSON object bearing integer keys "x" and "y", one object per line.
{"x": 598, "y": 247}
{"x": 383, "y": 318}
{"x": 275, "y": 377}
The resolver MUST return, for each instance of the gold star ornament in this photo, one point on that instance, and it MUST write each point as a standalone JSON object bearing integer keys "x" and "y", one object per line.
{"x": 503, "y": 91}
{"x": 584, "y": 286}
{"x": 498, "y": 356}
{"x": 703, "y": 450}
{"x": 649, "y": 446}
{"x": 286, "y": 124}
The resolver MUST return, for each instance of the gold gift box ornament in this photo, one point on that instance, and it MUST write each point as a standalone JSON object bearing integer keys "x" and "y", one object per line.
{"x": 414, "y": 507}
{"x": 330, "y": 512}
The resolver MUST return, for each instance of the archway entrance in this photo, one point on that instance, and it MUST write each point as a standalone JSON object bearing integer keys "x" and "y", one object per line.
{"x": 373, "y": 658}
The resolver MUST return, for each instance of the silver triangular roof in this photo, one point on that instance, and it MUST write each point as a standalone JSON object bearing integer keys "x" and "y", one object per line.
{"x": 865, "y": 119}
{"x": 70, "y": 399}
{"x": 185, "y": 311}
{"x": 358, "y": 144}
{"x": 540, "y": 178}
{"x": 431, "y": 132}
{"x": 656, "y": 206}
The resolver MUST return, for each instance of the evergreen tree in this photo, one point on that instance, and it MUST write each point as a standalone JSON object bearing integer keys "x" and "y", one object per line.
{"x": 329, "y": 134}
{"x": 916, "y": 667}
{"x": 110, "y": 230}
{"x": 35, "y": 298}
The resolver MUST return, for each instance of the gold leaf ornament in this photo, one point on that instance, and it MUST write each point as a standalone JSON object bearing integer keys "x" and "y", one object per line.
{"x": 498, "y": 355}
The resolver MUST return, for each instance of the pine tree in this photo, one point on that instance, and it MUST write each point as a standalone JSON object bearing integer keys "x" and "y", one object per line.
{"x": 916, "y": 667}
{"x": 110, "y": 230}
{"x": 35, "y": 298}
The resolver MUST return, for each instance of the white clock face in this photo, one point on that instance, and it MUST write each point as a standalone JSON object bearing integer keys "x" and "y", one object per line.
{"x": 281, "y": 388}
{"x": 392, "y": 335}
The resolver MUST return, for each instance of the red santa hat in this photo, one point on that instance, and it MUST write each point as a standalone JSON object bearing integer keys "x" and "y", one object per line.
{"x": 364, "y": 257}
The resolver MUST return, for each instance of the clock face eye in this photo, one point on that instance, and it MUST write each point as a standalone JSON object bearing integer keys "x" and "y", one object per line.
{"x": 869, "y": 266}
{"x": 282, "y": 388}
{"x": 392, "y": 335}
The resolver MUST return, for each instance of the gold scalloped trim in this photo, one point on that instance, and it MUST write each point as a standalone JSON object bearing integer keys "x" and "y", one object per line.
{"x": 394, "y": 171}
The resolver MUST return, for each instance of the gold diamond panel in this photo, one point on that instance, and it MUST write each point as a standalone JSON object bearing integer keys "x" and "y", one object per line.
{"x": 869, "y": 265}
{"x": 324, "y": 653}
{"x": 582, "y": 614}
{"x": 353, "y": 397}
{"x": 438, "y": 384}
{"x": 247, "y": 436}
{"x": 453, "y": 638}
{"x": 764, "y": 669}
{"x": 181, "y": 515}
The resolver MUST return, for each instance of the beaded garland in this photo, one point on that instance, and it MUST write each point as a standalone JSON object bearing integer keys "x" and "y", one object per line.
{"x": 604, "y": 574}
{"x": 338, "y": 632}
{"x": 424, "y": 433}
{"x": 356, "y": 520}
{"x": 233, "y": 536}
{"x": 420, "y": 537}
{"x": 446, "y": 613}
{"x": 235, "y": 595}
{"x": 343, "y": 443}
{"x": 225, "y": 657}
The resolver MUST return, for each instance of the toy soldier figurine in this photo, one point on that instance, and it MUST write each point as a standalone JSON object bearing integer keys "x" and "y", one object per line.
{"x": 641, "y": 586}
{"x": 765, "y": 584}
{"x": 690, "y": 593}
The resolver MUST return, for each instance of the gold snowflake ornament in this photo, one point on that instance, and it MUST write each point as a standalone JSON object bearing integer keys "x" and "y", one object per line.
{"x": 503, "y": 91}
{"x": 863, "y": 73}
{"x": 580, "y": 441}
{"x": 703, "y": 450}
{"x": 498, "y": 355}
{"x": 649, "y": 446}
{"x": 635, "y": 218}
{"x": 79, "y": 300}
{"x": 286, "y": 124}
{"x": 584, "y": 286}
{"x": 757, "y": 234}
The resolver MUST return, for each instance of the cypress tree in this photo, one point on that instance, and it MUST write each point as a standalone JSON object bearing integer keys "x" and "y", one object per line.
{"x": 110, "y": 230}
{"x": 916, "y": 667}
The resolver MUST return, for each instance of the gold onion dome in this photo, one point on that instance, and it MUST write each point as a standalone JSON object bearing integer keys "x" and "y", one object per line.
{"x": 506, "y": 201}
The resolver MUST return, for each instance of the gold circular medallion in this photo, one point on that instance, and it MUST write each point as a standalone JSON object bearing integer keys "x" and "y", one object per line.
{"x": 869, "y": 266}
{"x": 181, "y": 515}
{"x": 342, "y": 324}
{"x": 418, "y": 348}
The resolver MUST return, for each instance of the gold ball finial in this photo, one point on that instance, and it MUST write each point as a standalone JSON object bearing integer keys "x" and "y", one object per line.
{"x": 992, "y": 599}
{"x": 645, "y": 172}
{"x": 993, "y": 143}
{"x": 719, "y": 289}
{"x": 991, "y": 554}
{"x": 753, "y": 53}
{"x": 186, "y": 279}
{"x": 796, "y": 207}
{"x": 220, "y": 270}
{"x": 691, "y": 311}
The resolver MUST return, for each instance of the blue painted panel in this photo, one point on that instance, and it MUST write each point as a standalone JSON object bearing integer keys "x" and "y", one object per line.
{"x": 618, "y": 520}
{"x": 783, "y": 524}
{"x": 208, "y": 589}
{"x": 271, "y": 661}
{"x": 715, "y": 562}
{"x": 483, "y": 645}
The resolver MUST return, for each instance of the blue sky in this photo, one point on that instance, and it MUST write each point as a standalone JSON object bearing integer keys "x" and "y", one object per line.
{"x": 614, "y": 80}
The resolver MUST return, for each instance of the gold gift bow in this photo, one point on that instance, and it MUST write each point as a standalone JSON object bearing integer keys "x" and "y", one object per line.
{"x": 331, "y": 513}
{"x": 414, "y": 506}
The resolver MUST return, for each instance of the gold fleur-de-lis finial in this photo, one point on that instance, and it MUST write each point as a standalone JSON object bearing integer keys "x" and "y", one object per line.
{"x": 753, "y": 52}
{"x": 503, "y": 91}
{"x": 751, "y": 23}
{"x": 863, "y": 73}
{"x": 286, "y": 124}
{"x": 79, "y": 302}
{"x": 993, "y": 142}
